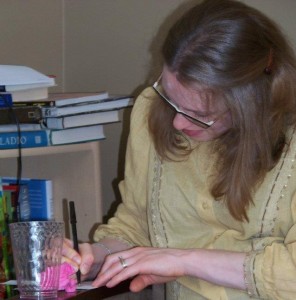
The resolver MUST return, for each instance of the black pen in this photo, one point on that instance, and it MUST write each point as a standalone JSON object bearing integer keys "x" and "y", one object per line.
{"x": 73, "y": 222}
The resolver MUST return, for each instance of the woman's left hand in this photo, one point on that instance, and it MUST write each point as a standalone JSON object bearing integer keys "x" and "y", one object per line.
{"x": 147, "y": 266}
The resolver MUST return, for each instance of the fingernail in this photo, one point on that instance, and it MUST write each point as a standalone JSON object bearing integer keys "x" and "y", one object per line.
{"x": 77, "y": 259}
{"x": 75, "y": 269}
{"x": 84, "y": 269}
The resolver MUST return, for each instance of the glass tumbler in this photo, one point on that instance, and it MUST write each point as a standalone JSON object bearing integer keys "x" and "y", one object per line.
{"x": 37, "y": 253}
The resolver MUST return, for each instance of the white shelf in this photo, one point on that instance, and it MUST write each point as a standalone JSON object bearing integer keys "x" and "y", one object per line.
{"x": 47, "y": 150}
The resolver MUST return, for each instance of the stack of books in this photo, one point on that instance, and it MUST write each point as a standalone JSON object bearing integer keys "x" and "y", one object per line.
{"x": 30, "y": 116}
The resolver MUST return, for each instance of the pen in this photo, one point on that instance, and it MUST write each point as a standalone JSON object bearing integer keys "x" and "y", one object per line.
{"x": 74, "y": 232}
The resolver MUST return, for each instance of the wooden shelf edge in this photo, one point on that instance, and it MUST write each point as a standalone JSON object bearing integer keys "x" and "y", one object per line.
{"x": 89, "y": 146}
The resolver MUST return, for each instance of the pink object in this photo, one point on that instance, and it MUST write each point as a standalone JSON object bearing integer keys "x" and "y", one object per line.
{"x": 67, "y": 280}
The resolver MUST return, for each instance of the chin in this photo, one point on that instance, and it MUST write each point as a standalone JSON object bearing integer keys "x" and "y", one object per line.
{"x": 199, "y": 137}
{"x": 203, "y": 139}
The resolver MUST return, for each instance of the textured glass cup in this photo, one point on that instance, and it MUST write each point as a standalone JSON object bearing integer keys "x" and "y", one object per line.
{"x": 37, "y": 252}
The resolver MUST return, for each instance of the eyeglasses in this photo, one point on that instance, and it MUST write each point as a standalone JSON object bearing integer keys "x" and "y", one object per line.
{"x": 159, "y": 90}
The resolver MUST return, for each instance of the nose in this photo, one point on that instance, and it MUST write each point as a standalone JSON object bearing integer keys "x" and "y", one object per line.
{"x": 180, "y": 122}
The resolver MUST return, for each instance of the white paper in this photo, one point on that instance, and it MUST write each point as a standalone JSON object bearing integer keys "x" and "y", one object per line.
{"x": 9, "y": 282}
{"x": 19, "y": 76}
{"x": 85, "y": 285}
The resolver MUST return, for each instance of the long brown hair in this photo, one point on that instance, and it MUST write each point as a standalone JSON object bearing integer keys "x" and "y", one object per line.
{"x": 237, "y": 52}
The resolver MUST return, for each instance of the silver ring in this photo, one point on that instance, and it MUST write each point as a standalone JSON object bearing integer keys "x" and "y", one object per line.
{"x": 122, "y": 261}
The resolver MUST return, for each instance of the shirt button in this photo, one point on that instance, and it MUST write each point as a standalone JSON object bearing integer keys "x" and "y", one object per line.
{"x": 205, "y": 205}
{"x": 217, "y": 236}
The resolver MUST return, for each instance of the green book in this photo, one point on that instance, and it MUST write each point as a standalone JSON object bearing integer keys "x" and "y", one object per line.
{"x": 4, "y": 219}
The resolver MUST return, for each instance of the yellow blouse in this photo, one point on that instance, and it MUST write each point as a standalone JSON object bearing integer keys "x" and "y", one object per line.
{"x": 168, "y": 204}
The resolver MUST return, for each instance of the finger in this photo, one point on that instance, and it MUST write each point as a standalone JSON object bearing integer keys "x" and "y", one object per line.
{"x": 110, "y": 260}
{"x": 111, "y": 268}
{"x": 68, "y": 242}
{"x": 69, "y": 254}
{"x": 70, "y": 262}
{"x": 142, "y": 281}
{"x": 114, "y": 271}
{"x": 130, "y": 254}
{"x": 87, "y": 258}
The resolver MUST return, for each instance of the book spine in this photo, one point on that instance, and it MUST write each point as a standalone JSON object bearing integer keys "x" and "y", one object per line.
{"x": 8, "y": 213}
{"x": 23, "y": 127}
{"x": 49, "y": 111}
{"x": 55, "y": 123}
{"x": 39, "y": 195}
{"x": 101, "y": 105}
{"x": 83, "y": 119}
{"x": 11, "y": 193}
{"x": 6, "y": 100}
{"x": 34, "y": 103}
{"x": 4, "y": 235}
{"x": 26, "y": 139}
{"x": 29, "y": 114}
{"x": 24, "y": 203}
{"x": 49, "y": 200}
{"x": 8, "y": 203}
{"x": 74, "y": 99}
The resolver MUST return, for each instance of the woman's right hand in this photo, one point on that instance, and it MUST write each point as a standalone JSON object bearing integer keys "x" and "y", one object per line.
{"x": 84, "y": 260}
{"x": 91, "y": 257}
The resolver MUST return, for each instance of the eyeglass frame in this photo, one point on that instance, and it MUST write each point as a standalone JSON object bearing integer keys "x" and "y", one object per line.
{"x": 195, "y": 121}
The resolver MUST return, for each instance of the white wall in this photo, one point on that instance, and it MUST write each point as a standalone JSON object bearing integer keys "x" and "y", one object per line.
{"x": 108, "y": 46}
{"x": 31, "y": 34}
{"x": 95, "y": 45}
{"x": 108, "y": 43}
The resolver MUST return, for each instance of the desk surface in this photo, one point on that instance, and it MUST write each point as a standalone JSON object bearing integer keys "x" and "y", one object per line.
{"x": 95, "y": 294}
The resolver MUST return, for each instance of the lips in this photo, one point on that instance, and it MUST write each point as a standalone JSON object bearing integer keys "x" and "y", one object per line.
{"x": 192, "y": 133}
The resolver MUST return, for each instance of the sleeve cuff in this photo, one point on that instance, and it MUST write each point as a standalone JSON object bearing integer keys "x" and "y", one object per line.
{"x": 249, "y": 274}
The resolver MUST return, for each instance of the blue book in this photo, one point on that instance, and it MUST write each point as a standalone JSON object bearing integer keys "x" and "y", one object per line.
{"x": 28, "y": 139}
{"x": 40, "y": 196}
{"x": 6, "y": 100}
{"x": 47, "y": 137}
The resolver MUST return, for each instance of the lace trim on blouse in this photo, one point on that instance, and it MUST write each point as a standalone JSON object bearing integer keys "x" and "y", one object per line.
{"x": 249, "y": 274}
{"x": 157, "y": 223}
{"x": 159, "y": 238}
{"x": 280, "y": 183}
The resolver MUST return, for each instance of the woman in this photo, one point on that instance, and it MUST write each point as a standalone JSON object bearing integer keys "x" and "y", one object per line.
{"x": 209, "y": 203}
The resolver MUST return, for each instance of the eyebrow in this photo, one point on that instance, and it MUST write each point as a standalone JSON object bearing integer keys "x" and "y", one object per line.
{"x": 198, "y": 113}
